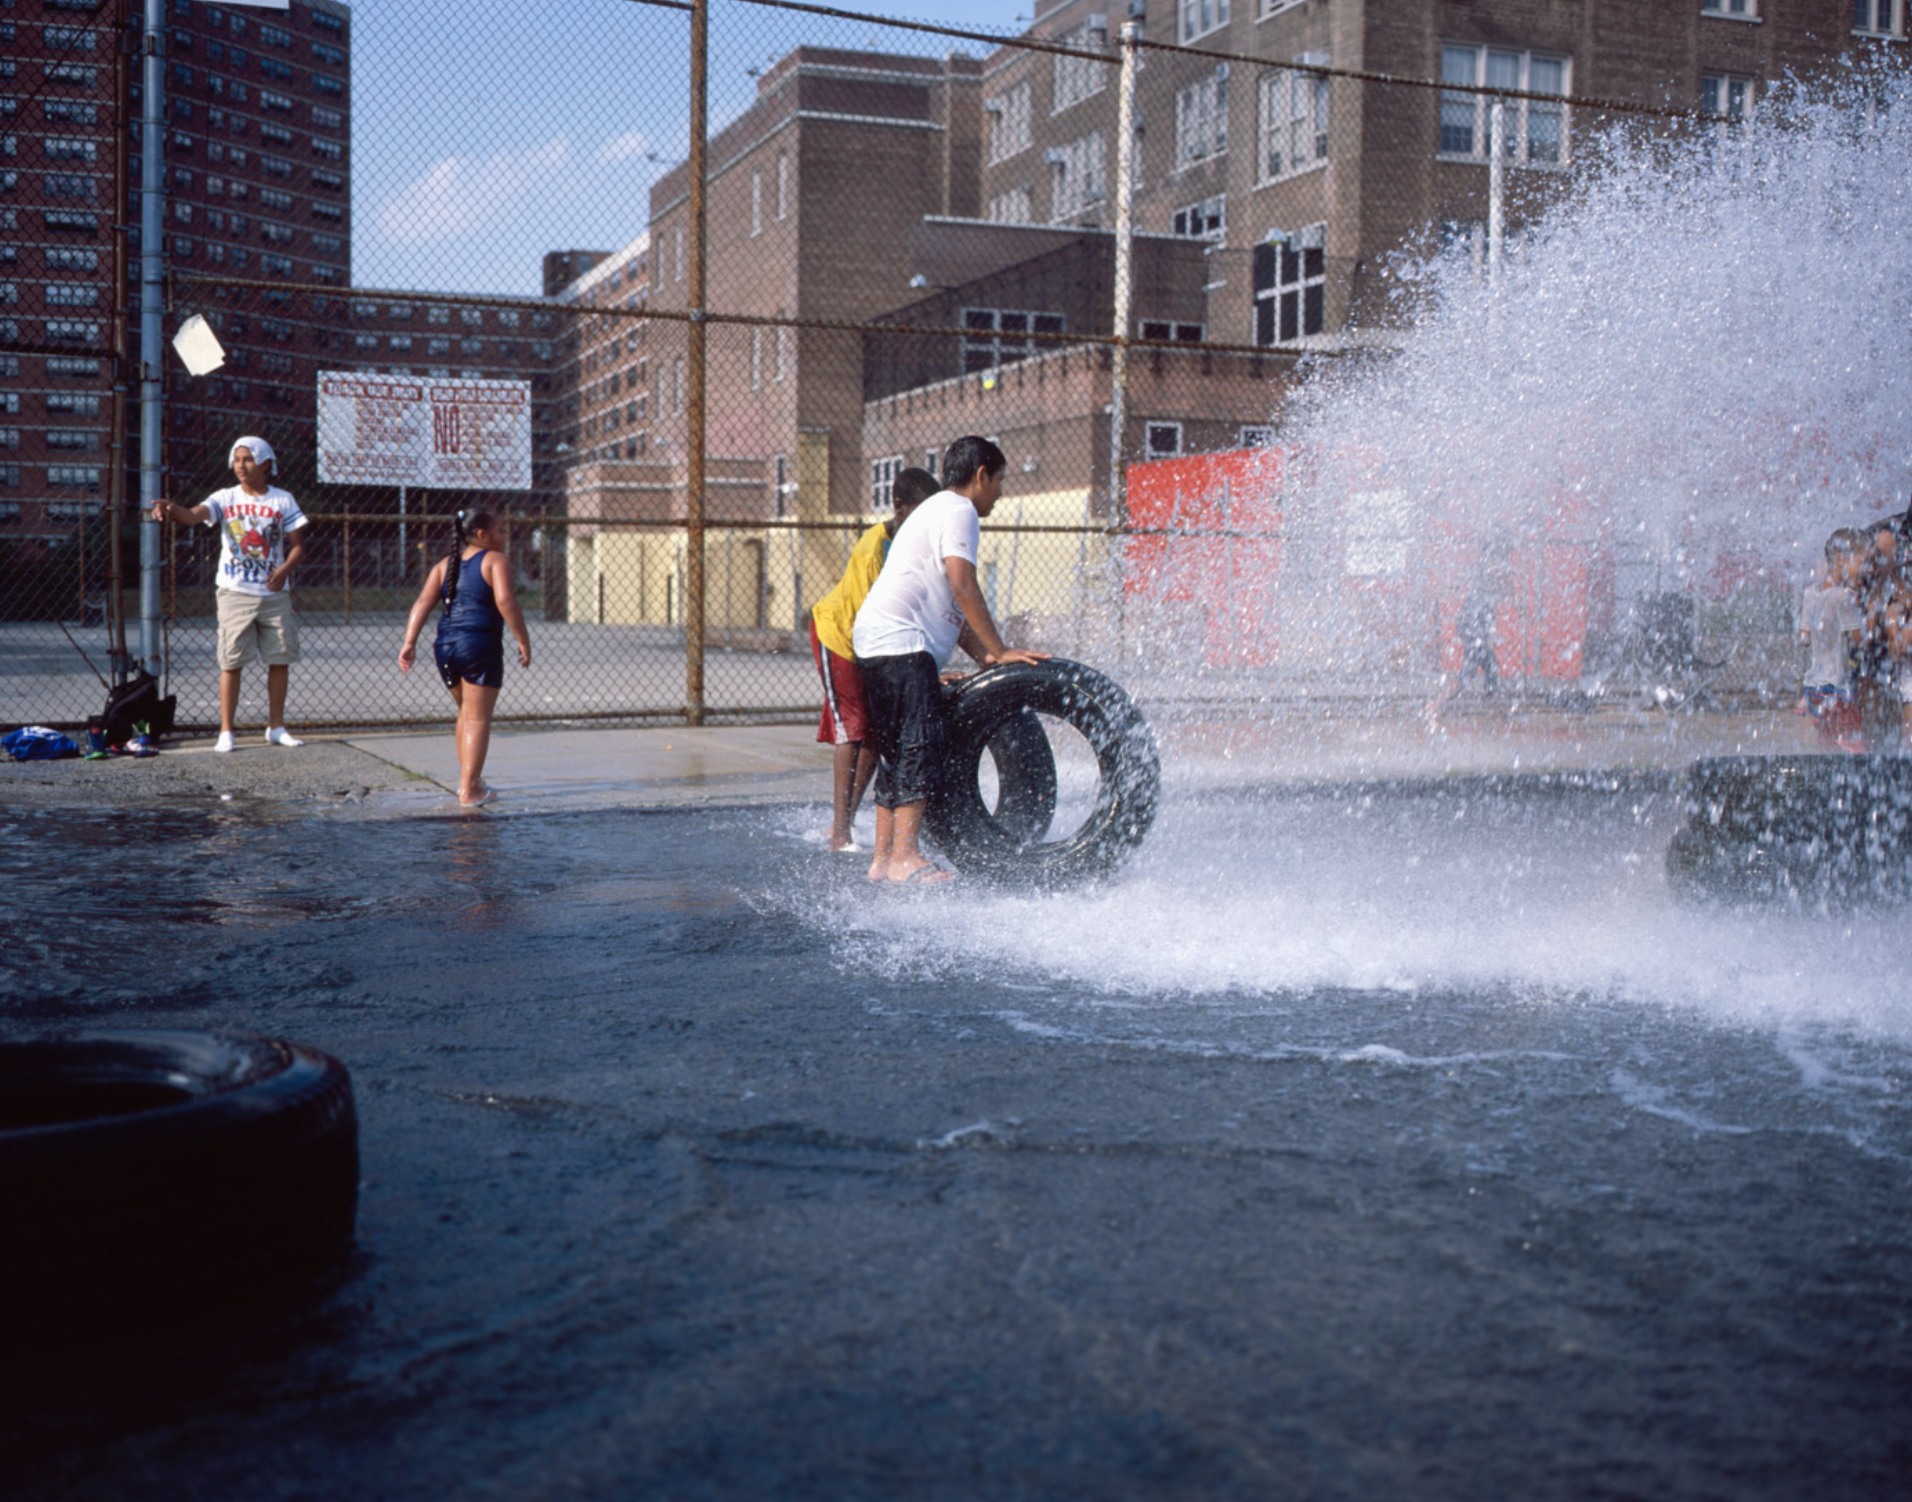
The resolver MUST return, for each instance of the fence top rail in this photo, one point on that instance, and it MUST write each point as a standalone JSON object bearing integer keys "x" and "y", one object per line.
{"x": 1111, "y": 58}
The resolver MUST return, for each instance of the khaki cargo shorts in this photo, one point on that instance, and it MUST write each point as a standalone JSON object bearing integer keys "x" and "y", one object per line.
{"x": 256, "y": 625}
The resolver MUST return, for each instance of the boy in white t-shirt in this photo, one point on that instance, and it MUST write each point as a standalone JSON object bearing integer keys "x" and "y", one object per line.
{"x": 259, "y": 546}
{"x": 1830, "y": 622}
{"x": 925, "y": 603}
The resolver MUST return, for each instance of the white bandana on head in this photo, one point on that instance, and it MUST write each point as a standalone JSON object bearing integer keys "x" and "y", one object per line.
{"x": 261, "y": 450}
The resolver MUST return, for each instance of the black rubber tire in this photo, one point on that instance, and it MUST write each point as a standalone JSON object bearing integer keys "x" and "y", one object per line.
{"x": 978, "y": 843}
{"x": 136, "y": 1165}
{"x": 1025, "y": 778}
{"x": 1795, "y": 828}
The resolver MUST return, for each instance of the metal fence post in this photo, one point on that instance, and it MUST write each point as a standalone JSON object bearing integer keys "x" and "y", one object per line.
{"x": 696, "y": 374}
{"x": 1124, "y": 296}
{"x": 1496, "y": 188}
{"x": 152, "y": 229}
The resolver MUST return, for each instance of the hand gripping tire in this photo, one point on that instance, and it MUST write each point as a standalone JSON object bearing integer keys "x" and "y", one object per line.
{"x": 995, "y": 709}
{"x": 143, "y": 1165}
{"x": 1793, "y": 828}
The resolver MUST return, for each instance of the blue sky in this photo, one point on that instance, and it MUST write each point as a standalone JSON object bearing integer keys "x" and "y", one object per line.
{"x": 484, "y": 134}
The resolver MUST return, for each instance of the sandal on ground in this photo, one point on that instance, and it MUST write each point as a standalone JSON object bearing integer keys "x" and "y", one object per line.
{"x": 925, "y": 876}
{"x": 483, "y": 798}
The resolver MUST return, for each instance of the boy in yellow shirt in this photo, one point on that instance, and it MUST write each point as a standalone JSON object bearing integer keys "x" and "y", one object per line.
{"x": 845, "y": 722}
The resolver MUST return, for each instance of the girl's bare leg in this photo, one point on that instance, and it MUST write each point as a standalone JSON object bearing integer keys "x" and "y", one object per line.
{"x": 474, "y": 738}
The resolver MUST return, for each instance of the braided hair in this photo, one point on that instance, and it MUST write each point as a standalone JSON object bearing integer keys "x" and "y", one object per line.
{"x": 463, "y": 525}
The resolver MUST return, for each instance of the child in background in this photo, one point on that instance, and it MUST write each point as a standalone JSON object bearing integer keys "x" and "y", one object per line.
{"x": 473, "y": 581}
{"x": 1830, "y": 623}
{"x": 845, "y": 721}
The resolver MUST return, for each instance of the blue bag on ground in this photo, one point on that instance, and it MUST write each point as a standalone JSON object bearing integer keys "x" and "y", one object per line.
{"x": 37, "y": 743}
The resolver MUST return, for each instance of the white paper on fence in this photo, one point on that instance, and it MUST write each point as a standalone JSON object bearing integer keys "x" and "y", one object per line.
{"x": 435, "y": 434}
{"x": 199, "y": 346}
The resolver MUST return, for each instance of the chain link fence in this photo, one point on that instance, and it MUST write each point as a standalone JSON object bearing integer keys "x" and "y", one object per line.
{"x": 737, "y": 306}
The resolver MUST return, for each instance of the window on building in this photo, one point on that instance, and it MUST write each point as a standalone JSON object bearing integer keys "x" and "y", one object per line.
{"x": 70, "y": 294}
{"x": 1743, "y": 10}
{"x": 1291, "y": 285}
{"x": 785, "y": 352}
{"x": 677, "y": 238}
{"x": 1726, "y": 94}
{"x": 1879, "y": 18}
{"x": 1535, "y": 131}
{"x": 756, "y": 203}
{"x": 1014, "y": 206}
{"x": 1201, "y": 119}
{"x": 1276, "y": 7}
{"x": 999, "y": 336}
{"x": 883, "y": 473}
{"x": 1168, "y": 330}
{"x": 1207, "y": 220}
{"x": 756, "y": 359}
{"x": 783, "y": 183}
{"x": 1196, "y": 18}
{"x": 1255, "y": 436}
{"x": 1161, "y": 440}
{"x": 1294, "y": 120}
{"x": 1009, "y": 122}
{"x": 1078, "y": 78}
{"x": 1077, "y": 177}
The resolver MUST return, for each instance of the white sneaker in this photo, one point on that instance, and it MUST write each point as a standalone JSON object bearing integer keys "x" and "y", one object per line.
{"x": 278, "y": 735}
{"x": 224, "y": 743}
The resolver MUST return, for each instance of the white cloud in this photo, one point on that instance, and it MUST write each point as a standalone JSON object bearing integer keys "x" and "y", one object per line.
{"x": 460, "y": 194}
{"x": 622, "y": 148}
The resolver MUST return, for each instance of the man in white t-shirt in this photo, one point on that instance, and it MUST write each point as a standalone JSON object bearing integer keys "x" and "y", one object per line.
{"x": 924, "y": 604}
{"x": 260, "y": 543}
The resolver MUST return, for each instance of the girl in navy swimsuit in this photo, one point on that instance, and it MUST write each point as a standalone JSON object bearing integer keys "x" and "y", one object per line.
{"x": 473, "y": 581}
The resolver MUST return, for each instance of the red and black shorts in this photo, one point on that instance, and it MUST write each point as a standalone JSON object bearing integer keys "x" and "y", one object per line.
{"x": 845, "y": 717}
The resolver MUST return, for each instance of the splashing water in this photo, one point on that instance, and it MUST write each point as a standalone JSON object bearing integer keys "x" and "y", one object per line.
{"x": 1688, "y": 372}
{"x": 1698, "y": 364}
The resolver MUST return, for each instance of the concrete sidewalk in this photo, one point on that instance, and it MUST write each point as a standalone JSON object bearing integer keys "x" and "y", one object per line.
{"x": 568, "y": 768}
{"x": 547, "y": 771}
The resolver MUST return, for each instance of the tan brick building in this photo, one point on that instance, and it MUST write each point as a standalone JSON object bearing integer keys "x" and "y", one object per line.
{"x": 1301, "y": 186}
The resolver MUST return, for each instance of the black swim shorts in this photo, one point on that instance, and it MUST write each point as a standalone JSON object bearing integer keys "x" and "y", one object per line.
{"x": 908, "y": 725}
{"x": 474, "y": 659}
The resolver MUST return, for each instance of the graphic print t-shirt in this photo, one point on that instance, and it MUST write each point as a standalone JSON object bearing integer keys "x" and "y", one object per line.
{"x": 252, "y": 534}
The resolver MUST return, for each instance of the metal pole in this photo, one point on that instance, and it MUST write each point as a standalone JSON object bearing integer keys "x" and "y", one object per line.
{"x": 152, "y": 349}
{"x": 1124, "y": 278}
{"x": 116, "y": 482}
{"x": 694, "y": 370}
{"x": 404, "y": 556}
{"x": 1496, "y": 188}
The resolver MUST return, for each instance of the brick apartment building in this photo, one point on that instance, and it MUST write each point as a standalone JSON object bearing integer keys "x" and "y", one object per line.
{"x": 1299, "y": 186}
{"x": 813, "y": 192}
{"x": 258, "y": 155}
{"x": 258, "y": 150}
